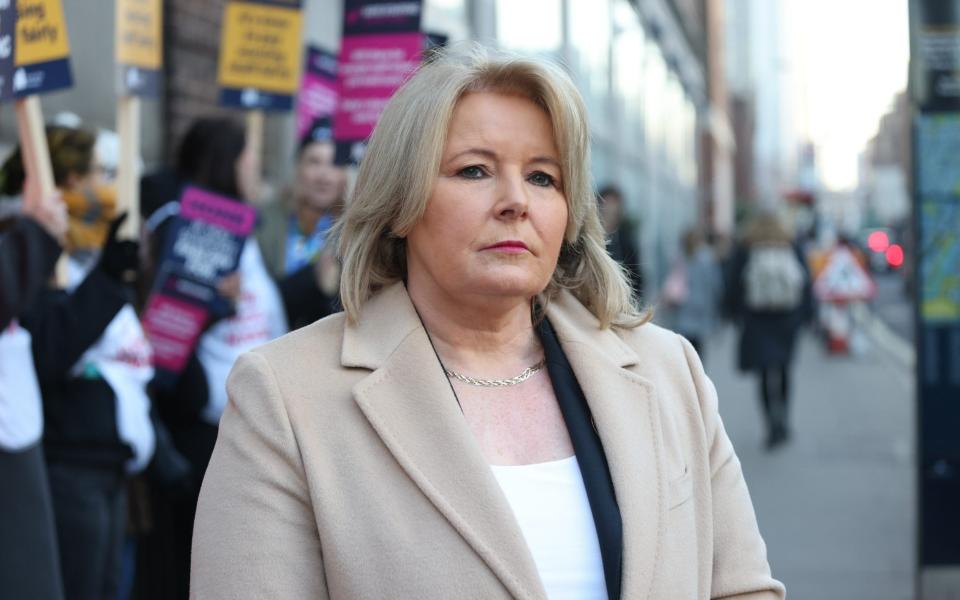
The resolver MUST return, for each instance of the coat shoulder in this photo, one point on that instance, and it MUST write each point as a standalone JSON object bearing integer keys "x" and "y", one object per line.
{"x": 305, "y": 364}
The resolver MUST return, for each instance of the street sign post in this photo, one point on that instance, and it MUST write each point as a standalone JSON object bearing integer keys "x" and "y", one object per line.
{"x": 935, "y": 92}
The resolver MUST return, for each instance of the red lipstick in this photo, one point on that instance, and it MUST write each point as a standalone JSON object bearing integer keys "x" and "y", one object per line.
{"x": 509, "y": 246}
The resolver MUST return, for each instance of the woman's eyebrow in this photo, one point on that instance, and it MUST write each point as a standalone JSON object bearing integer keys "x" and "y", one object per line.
{"x": 481, "y": 151}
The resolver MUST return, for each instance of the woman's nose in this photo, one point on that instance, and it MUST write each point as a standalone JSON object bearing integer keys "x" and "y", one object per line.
{"x": 512, "y": 200}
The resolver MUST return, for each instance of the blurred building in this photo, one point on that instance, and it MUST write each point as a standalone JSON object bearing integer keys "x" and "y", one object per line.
{"x": 885, "y": 168}
{"x": 761, "y": 107}
{"x": 640, "y": 65}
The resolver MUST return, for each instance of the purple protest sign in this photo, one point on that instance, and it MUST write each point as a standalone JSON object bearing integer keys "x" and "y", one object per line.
{"x": 382, "y": 46}
{"x": 204, "y": 244}
{"x": 318, "y": 90}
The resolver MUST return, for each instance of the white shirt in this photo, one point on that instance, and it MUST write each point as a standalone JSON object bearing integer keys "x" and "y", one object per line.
{"x": 21, "y": 413}
{"x": 550, "y": 504}
{"x": 124, "y": 358}
{"x": 259, "y": 319}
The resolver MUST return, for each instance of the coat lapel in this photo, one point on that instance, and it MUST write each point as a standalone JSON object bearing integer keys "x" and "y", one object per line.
{"x": 625, "y": 412}
{"x": 410, "y": 404}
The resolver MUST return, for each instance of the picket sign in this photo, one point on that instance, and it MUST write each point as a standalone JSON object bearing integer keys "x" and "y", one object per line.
{"x": 35, "y": 154}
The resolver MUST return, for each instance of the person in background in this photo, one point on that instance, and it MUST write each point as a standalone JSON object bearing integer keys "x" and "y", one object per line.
{"x": 293, "y": 233}
{"x": 219, "y": 161}
{"x": 769, "y": 293}
{"x": 621, "y": 241}
{"x": 93, "y": 364}
{"x": 694, "y": 315}
{"x": 29, "y": 247}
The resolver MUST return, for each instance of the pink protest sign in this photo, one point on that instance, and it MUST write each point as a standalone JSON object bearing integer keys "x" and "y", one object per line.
{"x": 382, "y": 46}
{"x": 203, "y": 244}
{"x": 318, "y": 90}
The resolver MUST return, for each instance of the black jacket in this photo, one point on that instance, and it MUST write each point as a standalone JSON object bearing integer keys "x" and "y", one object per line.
{"x": 80, "y": 419}
{"x": 27, "y": 257}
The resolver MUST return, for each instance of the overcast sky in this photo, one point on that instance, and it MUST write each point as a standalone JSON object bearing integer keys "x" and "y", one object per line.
{"x": 847, "y": 58}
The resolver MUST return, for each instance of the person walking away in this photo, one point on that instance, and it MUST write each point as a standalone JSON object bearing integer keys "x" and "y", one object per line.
{"x": 694, "y": 314}
{"x": 770, "y": 295}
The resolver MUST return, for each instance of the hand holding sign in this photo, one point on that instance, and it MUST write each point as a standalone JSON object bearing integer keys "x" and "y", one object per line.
{"x": 47, "y": 210}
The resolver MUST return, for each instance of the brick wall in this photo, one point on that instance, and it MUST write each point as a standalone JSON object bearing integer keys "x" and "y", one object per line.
{"x": 191, "y": 47}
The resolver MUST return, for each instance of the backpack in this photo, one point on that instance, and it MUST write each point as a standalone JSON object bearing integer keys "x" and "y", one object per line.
{"x": 773, "y": 278}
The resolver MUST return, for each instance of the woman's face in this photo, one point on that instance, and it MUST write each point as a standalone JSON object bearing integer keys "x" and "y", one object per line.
{"x": 495, "y": 220}
{"x": 319, "y": 182}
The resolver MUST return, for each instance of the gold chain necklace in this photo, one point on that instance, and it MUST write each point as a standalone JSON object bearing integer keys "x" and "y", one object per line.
{"x": 525, "y": 375}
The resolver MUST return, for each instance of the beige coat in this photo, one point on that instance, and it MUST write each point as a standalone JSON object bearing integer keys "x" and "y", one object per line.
{"x": 344, "y": 469}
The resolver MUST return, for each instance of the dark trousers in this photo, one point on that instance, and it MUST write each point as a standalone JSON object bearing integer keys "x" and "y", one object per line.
{"x": 774, "y": 395}
{"x": 29, "y": 560}
{"x": 90, "y": 506}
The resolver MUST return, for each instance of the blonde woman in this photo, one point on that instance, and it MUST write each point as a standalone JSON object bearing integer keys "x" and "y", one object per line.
{"x": 491, "y": 416}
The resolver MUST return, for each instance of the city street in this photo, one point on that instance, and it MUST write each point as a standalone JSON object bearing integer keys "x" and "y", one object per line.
{"x": 836, "y": 505}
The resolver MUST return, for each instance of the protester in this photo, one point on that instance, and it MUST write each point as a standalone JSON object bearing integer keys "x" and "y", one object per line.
{"x": 693, "y": 300}
{"x": 29, "y": 248}
{"x": 621, "y": 236}
{"x": 770, "y": 295}
{"x": 293, "y": 233}
{"x": 441, "y": 438}
{"x": 249, "y": 313}
{"x": 93, "y": 363}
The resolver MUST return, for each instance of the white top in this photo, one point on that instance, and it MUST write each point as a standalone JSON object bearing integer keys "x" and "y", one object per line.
{"x": 550, "y": 504}
{"x": 259, "y": 319}
{"x": 124, "y": 358}
{"x": 21, "y": 414}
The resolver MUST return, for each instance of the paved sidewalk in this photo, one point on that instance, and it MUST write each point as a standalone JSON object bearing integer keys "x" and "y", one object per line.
{"x": 836, "y": 506}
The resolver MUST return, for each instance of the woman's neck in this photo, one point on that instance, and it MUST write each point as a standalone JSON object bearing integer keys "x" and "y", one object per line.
{"x": 482, "y": 339}
{"x": 308, "y": 217}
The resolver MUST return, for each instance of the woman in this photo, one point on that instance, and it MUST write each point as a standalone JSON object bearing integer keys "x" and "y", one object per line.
{"x": 293, "y": 234}
{"x": 694, "y": 311}
{"x": 437, "y": 440}
{"x": 29, "y": 248}
{"x": 768, "y": 291}
{"x": 93, "y": 363}
{"x": 248, "y": 313}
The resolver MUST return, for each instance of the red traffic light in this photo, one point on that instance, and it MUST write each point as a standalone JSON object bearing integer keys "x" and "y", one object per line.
{"x": 895, "y": 256}
{"x": 878, "y": 241}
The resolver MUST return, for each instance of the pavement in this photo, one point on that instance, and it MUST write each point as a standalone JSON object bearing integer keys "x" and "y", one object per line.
{"x": 836, "y": 505}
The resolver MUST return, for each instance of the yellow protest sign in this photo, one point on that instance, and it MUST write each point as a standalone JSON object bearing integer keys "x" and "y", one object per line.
{"x": 140, "y": 33}
{"x": 41, "y": 32}
{"x": 260, "y": 47}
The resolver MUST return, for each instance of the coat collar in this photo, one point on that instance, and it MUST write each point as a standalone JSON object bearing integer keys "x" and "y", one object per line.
{"x": 410, "y": 404}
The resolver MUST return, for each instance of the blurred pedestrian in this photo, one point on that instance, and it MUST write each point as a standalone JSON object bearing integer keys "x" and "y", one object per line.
{"x": 93, "y": 363}
{"x": 293, "y": 232}
{"x": 29, "y": 247}
{"x": 441, "y": 438}
{"x": 769, "y": 294}
{"x": 693, "y": 303}
{"x": 249, "y": 312}
{"x": 621, "y": 236}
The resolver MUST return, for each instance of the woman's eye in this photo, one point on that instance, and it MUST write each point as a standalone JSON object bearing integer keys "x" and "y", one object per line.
{"x": 541, "y": 179}
{"x": 471, "y": 172}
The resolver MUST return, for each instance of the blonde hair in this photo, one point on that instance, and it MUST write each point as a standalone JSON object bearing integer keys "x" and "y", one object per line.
{"x": 401, "y": 163}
